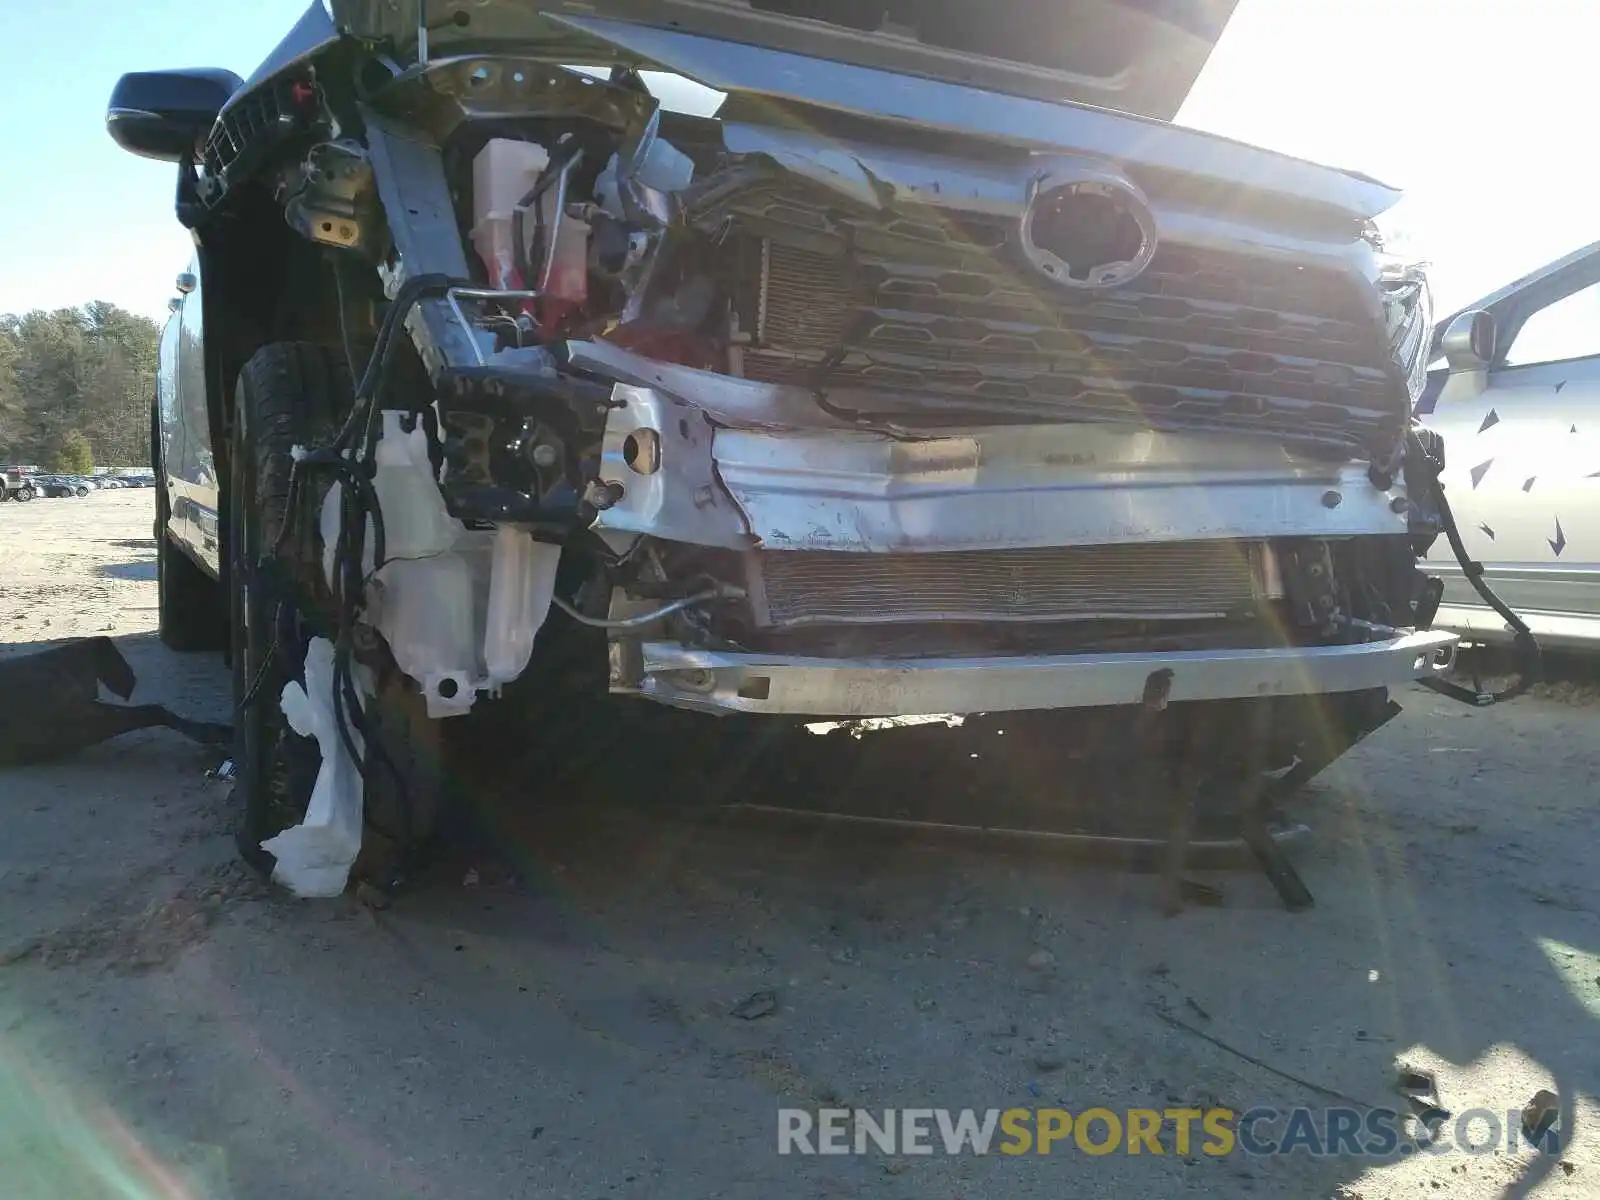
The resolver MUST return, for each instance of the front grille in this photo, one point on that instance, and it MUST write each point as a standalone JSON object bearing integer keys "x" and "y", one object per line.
{"x": 1177, "y": 581}
{"x": 946, "y": 312}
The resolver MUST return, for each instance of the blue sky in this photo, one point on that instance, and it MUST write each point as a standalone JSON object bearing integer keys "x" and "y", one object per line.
{"x": 81, "y": 220}
{"x": 1482, "y": 109}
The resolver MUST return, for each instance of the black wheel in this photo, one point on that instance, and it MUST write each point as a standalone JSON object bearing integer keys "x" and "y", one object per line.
{"x": 293, "y": 393}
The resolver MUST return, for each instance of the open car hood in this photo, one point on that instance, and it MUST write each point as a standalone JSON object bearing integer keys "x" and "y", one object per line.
{"x": 1136, "y": 56}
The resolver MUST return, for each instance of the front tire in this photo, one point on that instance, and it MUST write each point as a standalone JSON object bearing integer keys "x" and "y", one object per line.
{"x": 293, "y": 393}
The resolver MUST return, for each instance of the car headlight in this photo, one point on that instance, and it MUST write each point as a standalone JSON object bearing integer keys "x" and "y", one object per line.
{"x": 1408, "y": 314}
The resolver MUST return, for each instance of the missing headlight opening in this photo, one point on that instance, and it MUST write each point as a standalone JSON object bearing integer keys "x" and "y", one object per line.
{"x": 888, "y": 389}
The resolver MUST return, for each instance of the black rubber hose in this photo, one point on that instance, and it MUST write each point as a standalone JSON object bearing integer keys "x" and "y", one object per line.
{"x": 382, "y": 357}
{"x": 358, "y": 504}
{"x": 1528, "y": 657}
{"x": 379, "y": 363}
{"x": 344, "y": 319}
{"x": 566, "y": 157}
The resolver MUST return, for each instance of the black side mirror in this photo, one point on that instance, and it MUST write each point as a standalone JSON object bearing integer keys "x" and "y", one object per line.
{"x": 1468, "y": 341}
{"x": 164, "y": 114}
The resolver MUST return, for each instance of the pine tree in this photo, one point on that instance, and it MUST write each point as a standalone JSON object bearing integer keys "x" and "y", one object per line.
{"x": 74, "y": 455}
{"x": 87, "y": 371}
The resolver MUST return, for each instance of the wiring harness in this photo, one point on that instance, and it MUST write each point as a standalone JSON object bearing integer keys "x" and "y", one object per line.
{"x": 1424, "y": 454}
{"x": 350, "y": 459}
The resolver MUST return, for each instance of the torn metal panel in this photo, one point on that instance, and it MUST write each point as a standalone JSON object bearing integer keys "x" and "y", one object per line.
{"x": 710, "y": 681}
{"x": 1012, "y": 487}
{"x": 760, "y": 81}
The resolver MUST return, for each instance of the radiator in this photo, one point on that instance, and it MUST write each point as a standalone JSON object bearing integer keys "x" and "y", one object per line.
{"x": 1176, "y": 581}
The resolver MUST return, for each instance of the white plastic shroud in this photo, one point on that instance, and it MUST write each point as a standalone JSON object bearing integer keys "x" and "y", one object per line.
{"x": 458, "y": 621}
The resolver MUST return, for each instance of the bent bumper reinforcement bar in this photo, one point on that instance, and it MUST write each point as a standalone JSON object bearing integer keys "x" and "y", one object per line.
{"x": 711, "y": 681}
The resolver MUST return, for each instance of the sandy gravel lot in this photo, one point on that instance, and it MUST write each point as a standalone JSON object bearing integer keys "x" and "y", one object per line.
{"x": 554, "y": 1012}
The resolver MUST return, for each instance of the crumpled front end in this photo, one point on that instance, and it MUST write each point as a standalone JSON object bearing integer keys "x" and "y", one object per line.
{"x": 998, "y": 568}
{"x": 825, "y": 413}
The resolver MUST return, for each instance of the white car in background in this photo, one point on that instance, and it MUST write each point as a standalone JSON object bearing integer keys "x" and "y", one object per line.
{"x": 1516, "y": 394}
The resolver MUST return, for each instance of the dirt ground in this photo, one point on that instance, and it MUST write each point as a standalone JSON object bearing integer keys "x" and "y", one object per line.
{"x": 563, "y": 1007}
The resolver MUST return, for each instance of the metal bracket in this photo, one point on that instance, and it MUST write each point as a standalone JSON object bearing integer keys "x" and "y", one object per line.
{"x": 422, "y": 225}
{"x": 331, "y": 197}
{"x": 658, "y": 453}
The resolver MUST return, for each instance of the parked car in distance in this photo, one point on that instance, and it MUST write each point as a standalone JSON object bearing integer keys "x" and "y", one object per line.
{"x": 56, "y": 486}
{"x": 1516, "y": 394}
{"x": 14, "y": 485}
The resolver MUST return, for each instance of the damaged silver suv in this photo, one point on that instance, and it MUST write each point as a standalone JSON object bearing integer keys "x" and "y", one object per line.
{"x": 935, "y": 372}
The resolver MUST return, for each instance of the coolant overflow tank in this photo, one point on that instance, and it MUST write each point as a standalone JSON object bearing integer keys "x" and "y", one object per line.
{"x": 422, "y": 600}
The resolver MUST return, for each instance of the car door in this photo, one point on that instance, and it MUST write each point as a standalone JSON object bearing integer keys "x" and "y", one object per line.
{"x": 1522, "y": 442}
{"x": 194, "y": 485}
{"x": 167, "y": 433}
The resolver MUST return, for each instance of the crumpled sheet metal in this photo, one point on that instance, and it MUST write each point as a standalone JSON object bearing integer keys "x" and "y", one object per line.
{"x": 741, "y": 403}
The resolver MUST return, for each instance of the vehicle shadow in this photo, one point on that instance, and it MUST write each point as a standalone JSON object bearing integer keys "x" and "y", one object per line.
{"x": 139, "y": 572}
{"x": 1453, "y": 930}
{"x": 193, "y": 685}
